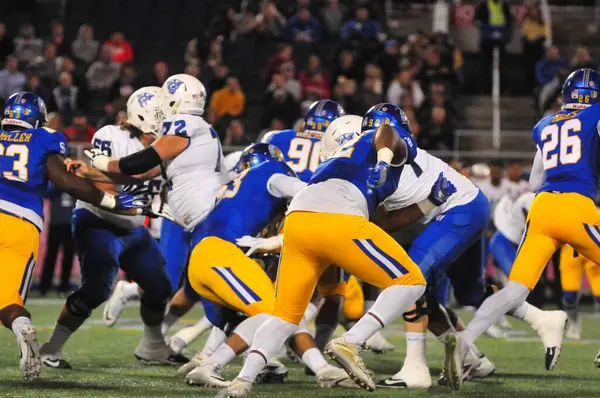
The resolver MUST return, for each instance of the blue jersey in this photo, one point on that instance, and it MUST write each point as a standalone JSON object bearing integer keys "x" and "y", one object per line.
{"x": 23, "y": 179}
{"x": 351, "y": 162}
{"x": 301, "y": 150}
{"x": 244, "y": 206}
{"x": 570, "y": 145}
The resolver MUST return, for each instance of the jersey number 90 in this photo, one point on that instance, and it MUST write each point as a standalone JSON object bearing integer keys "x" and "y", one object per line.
{"x": 562, "y": 146}
{"x": 304, "y": 154}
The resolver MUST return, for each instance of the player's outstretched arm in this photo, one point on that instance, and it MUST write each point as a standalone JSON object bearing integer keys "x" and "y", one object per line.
{"x": 82, "y": 170}
{"x": 76, "y": 186}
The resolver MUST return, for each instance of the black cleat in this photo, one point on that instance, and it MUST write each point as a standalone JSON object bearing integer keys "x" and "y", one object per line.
{"x": 56, "y": 363}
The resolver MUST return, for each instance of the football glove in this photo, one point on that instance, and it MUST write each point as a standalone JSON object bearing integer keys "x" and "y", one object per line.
{"x": 99, "y": 158}
{"x": 441, "y": 190}
{"x": 378, "y": 175}
{"x": 274, "y": 243}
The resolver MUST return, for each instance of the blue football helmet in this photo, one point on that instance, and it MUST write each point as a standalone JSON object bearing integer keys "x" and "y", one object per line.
{"x": 385, "y": 113}
{"x": 581, "y": 89}
{"x": 321, "y": 113}
{"x": 257, "y": 154}
{"x": 25, "y": 109}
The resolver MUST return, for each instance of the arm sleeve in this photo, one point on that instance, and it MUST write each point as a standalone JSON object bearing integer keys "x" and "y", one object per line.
{"x": 537, "y": 175}
{"x": 283, "y": 186}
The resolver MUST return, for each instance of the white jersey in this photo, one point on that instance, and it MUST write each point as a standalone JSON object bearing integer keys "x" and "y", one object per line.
{"x": 197, "y": 173}
{"x": 118, "y": 143}
{"x": 334, "y": 196}
{"x": 510, "y": 216}
{"x": 417, "y": 180}
{"x": 506, "y": 188}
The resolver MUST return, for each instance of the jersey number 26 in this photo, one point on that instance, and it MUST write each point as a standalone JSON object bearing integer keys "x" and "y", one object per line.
{"x": 567, "y": 142}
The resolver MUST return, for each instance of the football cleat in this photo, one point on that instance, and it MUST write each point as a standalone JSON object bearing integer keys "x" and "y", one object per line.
{"x": 551, "y": 329}
{"x": 456, "y": 353}
{"x": 274, "y": 372}
{"x": 414, "y": 375}
{"x": 346, "y": 355}
{"x": 115, "y": 304}
{"x": 329, "y": 376}
{"x": 30, "y": 361}
{"x": 574, "y": 329}
{"x": 485, "y": 369}
{"x": 157, "y": 351}
{"x": 55, "y": 363}
{"x": 597, "y": 360}
{"x": 378, "y": 344}
{"x": 238, "y": 388}
{"x": 196, "y": 361}
{"x": 208, "y": 375}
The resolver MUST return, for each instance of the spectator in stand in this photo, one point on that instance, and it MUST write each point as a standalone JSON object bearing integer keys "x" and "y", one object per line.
{"x": 372, "y": 88}
{"x": 65, "y": 97}
{"x": 80, "y": 130}
{"x": 226, "y": 103}
{"x": 244, "y": 22}
{"x": 547, "y": 71}
{"x": 191, "y": 53}
{"x": 124, "y": 87}
{"x": 270, "y": 23}
{"x": 193, "y": 70}
{"x": 437, "y": 118}
{"x": 11, "y": 80}
{"x": 54, "y": 121}
{"x": 405, "y": 84}
{"x": 48, "y": 66}
{"x": 304, "y": 28}
{"x": 85, "y": 48}
{"x": 495, "y": 24}
{"x": 6, "y": 44}
{"x": 432, "y": 70}
{"x": 347, "y": 67}
{"x": 360, "y": 26}
{"x": 288, "y": 71}
{"x": 59, "y": 235}
{"x": 280, "y": 103}
{"x": 122, "y": 52}
{"x": 103, "y": 73}
{"x": 234, "y": 134}
{"x": 284, "y": 55}
{"x": 582, "y": 59}
{"x": 388, "y": 60}
{"x": 57, "y": 37}
{"x": 408, "y": 106}
{"x": 333, "y": 16}
{"x": 34, "y": 85}
{"x": 215, "y": 53}
{"x": 314, "y": 78}
{"x": 219, "y": 80}
{"x": 534, "y": 31}
{"x": 160, "y": 74}
{"x": 79, "y": 80}
{"x": 450, "y": 56}
{"x": 27, "y": 46}
{"x": 344, "y": 93}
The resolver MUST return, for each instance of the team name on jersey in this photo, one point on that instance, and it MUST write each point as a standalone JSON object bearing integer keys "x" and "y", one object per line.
{"x": 309, "y": 134}
{"x": 19, "y": 137}
{"x": 566, "y": 116}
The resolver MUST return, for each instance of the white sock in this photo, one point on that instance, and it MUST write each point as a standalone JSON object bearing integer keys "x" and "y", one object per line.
{"x": 19, "y": 323}
{"x": 191, "y": 333}
{"x": 311, "y": 313}
{"x": 168, "y": 322}
{"x": 313, "y": 359}
{"x": 368, "y": 304}
{"x": 57, "y": 340}
{"x": 267, "y": 342}
{"x": 415, "y": 348}
{"x": 528, "y": 314}
{"x": 131, "y": 291}
{"x": 223, "y": 355}
{"x": 153, "y": 333}
{"x": 247, "y": 329}
{"x": 391, "y": 303}
{"x": 213, "y": 341}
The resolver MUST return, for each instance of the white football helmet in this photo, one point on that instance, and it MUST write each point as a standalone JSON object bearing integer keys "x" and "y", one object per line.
{"x": 341, "y": 130}
{"x": 144, "y": 110}
{"x": 183, "y": 94}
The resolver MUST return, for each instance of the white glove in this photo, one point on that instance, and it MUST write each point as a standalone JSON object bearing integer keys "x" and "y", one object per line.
{"x": 159, "y": 209}
{"x": 99, "y": 158}
{"x": 272, "y": 244}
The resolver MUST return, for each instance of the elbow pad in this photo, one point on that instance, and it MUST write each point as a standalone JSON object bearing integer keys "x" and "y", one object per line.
{"x": 139, "y": 162}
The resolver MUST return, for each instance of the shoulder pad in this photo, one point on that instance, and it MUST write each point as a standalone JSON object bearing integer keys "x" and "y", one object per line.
{"x": 49, "y": 130}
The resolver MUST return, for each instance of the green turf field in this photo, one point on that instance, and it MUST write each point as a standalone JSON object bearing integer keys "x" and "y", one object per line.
{"x": 104, "y": 366}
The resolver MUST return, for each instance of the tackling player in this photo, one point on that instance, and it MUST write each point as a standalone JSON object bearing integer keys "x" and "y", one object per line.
{"x": 30, "y": 156}
{"x": 565, "y": 175}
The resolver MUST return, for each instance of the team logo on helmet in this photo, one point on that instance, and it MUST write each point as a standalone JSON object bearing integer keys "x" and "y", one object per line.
{"x": 173, "y": 85}
{"x": 144, "y": 99}
{"x": 275, "y": 152}
{"x": 344, "y": 138}
{"x": 592, "y": 84}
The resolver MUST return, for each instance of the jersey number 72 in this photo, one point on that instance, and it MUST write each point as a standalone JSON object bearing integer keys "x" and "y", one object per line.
{"x": 561, "y": 144}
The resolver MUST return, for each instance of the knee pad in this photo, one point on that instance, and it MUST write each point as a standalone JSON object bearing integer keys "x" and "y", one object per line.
{"x": 421, "y": 308}
{"x": 77, "y": 305}
{"x": 231, "y": 321}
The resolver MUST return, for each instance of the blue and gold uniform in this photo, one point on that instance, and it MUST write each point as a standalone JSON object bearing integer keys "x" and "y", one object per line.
{"x": 301, "y": 149}
{"x": 219, "y": 271}
{"x": 23, "y": 183}
{"x": 563, "y": 211}
{"x": 328, "y": 223}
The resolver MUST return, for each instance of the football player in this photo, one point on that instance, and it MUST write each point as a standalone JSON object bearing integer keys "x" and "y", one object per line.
{"x": 565, "y": 175}
{"x": 30, "y": 155}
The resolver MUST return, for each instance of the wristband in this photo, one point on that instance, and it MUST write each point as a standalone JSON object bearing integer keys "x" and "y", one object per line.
{"x": 108, "y": 201}
{"x": 101, "y": 163}
{"x": 385, "y": 154}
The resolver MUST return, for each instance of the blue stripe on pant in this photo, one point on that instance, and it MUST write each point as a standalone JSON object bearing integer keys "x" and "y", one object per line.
{"x": 504, "y": 252}
{"x": 391, "y": 267}
{"x": 240, "y": 288}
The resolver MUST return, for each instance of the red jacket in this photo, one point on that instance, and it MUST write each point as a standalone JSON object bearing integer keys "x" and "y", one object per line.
{"x": 74, "y": 135}
{"x": 310, "y": 84}
{"x": 122, "y": 53}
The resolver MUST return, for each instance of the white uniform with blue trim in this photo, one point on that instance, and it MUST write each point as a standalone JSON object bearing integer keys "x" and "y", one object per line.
{"x": 197, "y": 173}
